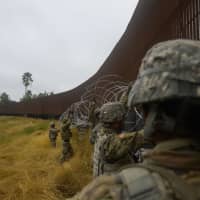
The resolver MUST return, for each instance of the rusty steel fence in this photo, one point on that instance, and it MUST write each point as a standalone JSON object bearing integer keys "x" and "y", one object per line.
{"x": 188, "y": 19}
{"x": 185, "y": 21}
{"x": 152, "y": 22}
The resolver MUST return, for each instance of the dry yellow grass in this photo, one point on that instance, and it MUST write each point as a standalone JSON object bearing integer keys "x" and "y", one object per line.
{"x": 29, "y": 166}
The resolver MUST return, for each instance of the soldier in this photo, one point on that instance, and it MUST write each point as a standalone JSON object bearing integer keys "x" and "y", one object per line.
{"x": 112, "y": 147}
{"x": 53, "y": 133}
{"x": 66, "y": 135}
{"x": 168, "y": 90}
{"x": 97, "y": 126}
{"x": 92, "y": 115}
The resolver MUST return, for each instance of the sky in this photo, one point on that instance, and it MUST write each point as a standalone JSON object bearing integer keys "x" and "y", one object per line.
{"x": 61, "y": 43}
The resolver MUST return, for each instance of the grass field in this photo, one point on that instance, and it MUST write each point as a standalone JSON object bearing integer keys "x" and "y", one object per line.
{"x": 29, "y": 166}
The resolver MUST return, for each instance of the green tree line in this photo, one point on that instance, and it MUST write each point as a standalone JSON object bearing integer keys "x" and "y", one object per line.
{"x": 27, "y": 81}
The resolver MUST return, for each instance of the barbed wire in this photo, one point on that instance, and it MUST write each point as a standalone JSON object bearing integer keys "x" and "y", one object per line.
{"x": 107, "y": 88}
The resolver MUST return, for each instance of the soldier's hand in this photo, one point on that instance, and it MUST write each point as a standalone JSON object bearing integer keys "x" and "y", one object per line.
{"x": 122, "y": 135}
{"x": 128, "y": 135}
{"x": 103, "y": 188}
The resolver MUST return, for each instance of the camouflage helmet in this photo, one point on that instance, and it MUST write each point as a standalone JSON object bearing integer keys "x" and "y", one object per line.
{"x": 169, "y": 70}
{"x": 112, "y": 112}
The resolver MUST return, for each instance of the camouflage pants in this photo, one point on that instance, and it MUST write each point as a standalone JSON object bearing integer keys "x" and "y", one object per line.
{"x": 67, "y": 151}
{"x": 53, "y": 142}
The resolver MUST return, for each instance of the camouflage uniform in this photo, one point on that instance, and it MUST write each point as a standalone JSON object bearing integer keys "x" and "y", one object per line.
{"x": 97, "y": 126}
{"x": 168, "y": 89}
{"x": 101, "y": 135}
{"x": 94, "y": 132}
{"x": 92, "y": 117}
{"x": 66, "y": 135}
{"x": 53, "y": 133}
{"x": 112, "y": 151}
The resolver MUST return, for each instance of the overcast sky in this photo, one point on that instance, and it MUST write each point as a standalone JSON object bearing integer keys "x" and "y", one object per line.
{"x": 61, "y": 42}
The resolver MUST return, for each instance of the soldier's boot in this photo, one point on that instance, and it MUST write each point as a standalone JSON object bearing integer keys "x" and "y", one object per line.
{"x": 69, "y": 152}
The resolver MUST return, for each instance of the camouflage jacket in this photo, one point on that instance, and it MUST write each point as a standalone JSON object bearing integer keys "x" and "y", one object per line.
{"x": 94, "y": 131}
{"x": 101, "y": 136}
{"x": 112, "y": 151}
{"x": 117, "y": 150}
{"x": 91, "y": 116}
{"x": 171, "y": 171}
{"x": 53, "y": 133}
{"x": 65, "y": 130}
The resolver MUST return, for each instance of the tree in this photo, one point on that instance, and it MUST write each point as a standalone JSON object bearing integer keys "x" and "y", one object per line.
{"x": 27, "y": 80}
{"x": 42, "y": 94}
{"x": 4, "y": 98}
{"x": 27, "y": 97}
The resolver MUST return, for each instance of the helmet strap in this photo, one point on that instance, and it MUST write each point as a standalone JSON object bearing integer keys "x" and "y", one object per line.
{"x": 183, "y": 110}
{"x": 149, "y": 126}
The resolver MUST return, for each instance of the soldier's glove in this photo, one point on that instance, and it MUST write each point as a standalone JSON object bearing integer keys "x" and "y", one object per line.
{"x": 103, "y": 188}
